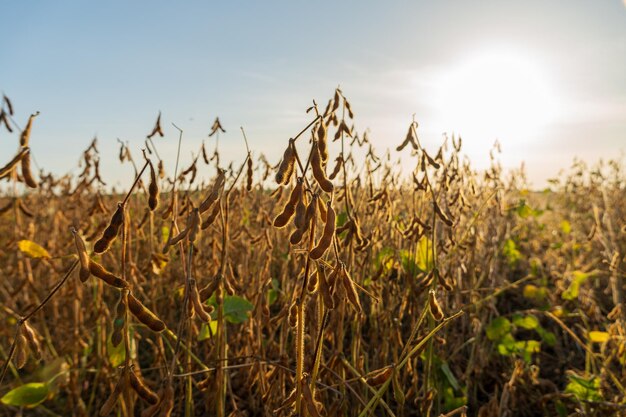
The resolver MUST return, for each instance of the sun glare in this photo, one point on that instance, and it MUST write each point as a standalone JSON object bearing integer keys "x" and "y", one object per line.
{"x": 495, "y": 95}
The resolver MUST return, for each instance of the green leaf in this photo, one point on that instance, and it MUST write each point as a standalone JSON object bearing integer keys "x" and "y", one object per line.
{"x": 273, "y": 292}
{"x": 578, "y": 278}
{"x": 385, "y": 255}
{"x": 235, "y": 308}
{"x": 32, "y": 249}
{"x": 527, "y": 348}
{"x": 587, "y": 389}
{"x": 524, "y": 210}
{"x": 454, "y": 383}
{"x": 511, "y": 253}
{"x": 528, "y": 322}
{"x": 498, "y": 328}
{"x": 546, "y": 336}
{"x": 29, "y": 395}
{"x": 507, "y": 345}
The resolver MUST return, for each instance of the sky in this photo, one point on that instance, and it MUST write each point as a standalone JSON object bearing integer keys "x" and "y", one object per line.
{"x": 547, "y": 79}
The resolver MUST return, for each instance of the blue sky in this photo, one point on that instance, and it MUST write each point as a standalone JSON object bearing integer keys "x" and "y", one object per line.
{"x": 108, "y": 68}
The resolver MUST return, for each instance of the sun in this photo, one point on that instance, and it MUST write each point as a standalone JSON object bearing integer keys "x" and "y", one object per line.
{"x": 497, "y": 94}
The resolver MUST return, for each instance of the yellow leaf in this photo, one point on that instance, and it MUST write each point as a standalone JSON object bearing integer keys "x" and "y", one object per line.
{"x": 32, "y": 249}
{"x": 530, "y": 291}
{"x": 598, "y": 337}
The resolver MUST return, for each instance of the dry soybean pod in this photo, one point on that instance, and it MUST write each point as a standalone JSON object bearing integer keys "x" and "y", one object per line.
{"x": 142, "y": 389}
{"x": 27, "y": 173}
{"x": 25, "y": 136}
{"x": 249, "y": 175}
{"x": 31, "y": 338}
{"x": 215, "y": 191}
{"x": 327, "y": 235}
{"x": 321, "y": 138}
{"x": 290, "y": 208}
{"x": 435, "y": 308}
{"x": 379, "y": 376}
{"x": 194, "y": 225}
{"x": 110, "y": 233}
{"x": 286, "y": 167}
{"x": 8, "y": 168}
{"x": 318, "y": 170}
{"x": 203, "y": 314}
{"x": 21, "y": 352}
{"x": 144, "y": 315}
{"x": 99, "y": 271}
{"x": 110, "y": 402}
{"x": 212, "y": 216}
{"x": 82, "y": 256}
{"x": 153, "y": 190}
{"x": 167, "y": 401}
{"x": 351, "y": 293}
{"x": 118, "y": 323}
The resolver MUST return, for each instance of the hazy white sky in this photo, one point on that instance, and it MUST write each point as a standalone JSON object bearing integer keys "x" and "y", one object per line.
{"x": 546, "y": 78}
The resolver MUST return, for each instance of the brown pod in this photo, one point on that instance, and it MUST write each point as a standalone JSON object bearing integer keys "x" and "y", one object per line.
{"x": 110, "y": 233}
{"x": 249, "y": 175}
{"x": 120, "y": 318}
{"x": 153, "y": 190}
{"x": 110, "y": 402}
{"x": 321, "y": 207}
{"x": 203, "y": 314}
{"x": 327, "y": 236}
{"x": 21, "y": 353}
{"x": 442, "y": 215}
{"x": 351, "y": 293}
{"x": 300, "y": 218}
{"x": 286, "y": 167}
{"x": 321, "y": 139}
{"x": 212, "y": 216}
{"x": 8, "y": 168}
{"x": 25, "y": 136}
{"x": 99, "y": 271}
{"x": 142, "y": 389}
{"x": 167, "y": 401}
{"x": 435, "y": 308}
{"x": 218, "y": 186}
{"x": 7, "y": 207}
{"x": 296, "y": 236}
{"x": 207, "y": 291}
{"x": 180, "y": 236}
{"x": 82, "y": 256}
{"x": 325, "y": 289}
{"x": 194, "y": 225}
{"x": 26, "y": 172}
{"x": 144, "y": 315}
{"x": 157, "y": 128}
{"x": 313, "y": 282}
{"x": 154, "y": 408}
{"x": 8, "y": 103}
{"x": 292, "y": 317}
{"x": 24, "y": 209}
{"x": 290, "y": 208}
{"x": 318, "y": 170}
{"x": 379, "y": 376}
{"x": 31, "y": 338}
{"x": 4, "y": 119}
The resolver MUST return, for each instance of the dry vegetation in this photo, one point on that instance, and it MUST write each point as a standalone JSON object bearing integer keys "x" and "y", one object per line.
{"x": 349, "y": 288}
